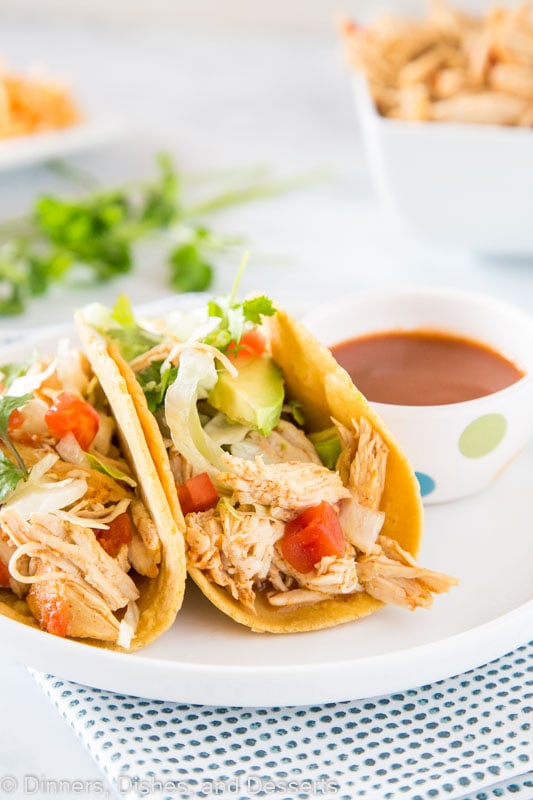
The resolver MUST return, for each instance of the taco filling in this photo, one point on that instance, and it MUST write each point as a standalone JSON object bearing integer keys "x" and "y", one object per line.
{"x": 282, "y": 499}
{"x": 76, "y": 539}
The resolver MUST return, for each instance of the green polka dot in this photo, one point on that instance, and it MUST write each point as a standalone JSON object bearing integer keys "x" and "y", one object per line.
{"x": 483, "y": 435}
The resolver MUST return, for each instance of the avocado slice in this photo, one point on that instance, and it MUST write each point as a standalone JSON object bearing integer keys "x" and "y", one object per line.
{"x": 253, "y": 397}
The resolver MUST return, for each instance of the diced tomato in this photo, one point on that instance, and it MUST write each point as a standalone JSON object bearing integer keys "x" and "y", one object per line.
{"x": 252, "y": 343}
{"x": 16, "y": 420}
{"x": 55, "y": 613}
{"x": 4, "y": 576}
{"x": 118, "y": 533}
{"x": 71, "y": 414}
{"x": 197, "y": 494}
{"x": 315, "y": 533}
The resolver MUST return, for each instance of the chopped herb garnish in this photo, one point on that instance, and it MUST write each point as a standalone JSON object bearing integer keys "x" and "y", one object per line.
{"x": 7, "y": 406}
{"x": 236, "y": 316}
{"x": 189, "y": 269}
{"x": 10, "y": 476}
{"x": 154, "y": 383}
{"x": 92, "y": 238}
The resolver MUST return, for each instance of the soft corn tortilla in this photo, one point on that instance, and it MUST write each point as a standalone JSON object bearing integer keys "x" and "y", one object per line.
{"x": 325, "y": 390}
{"x": 161, "y": 597}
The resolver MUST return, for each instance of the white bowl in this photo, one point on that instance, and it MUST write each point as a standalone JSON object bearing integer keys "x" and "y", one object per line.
{"x": 463, "y": 185}
{"x": 459, "y": 448}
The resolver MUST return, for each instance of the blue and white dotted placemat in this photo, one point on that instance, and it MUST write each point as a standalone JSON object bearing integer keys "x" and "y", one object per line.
{"x": 466, "y": 737}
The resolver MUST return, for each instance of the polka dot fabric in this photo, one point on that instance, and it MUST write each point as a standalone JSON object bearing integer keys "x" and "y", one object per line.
{"x": 465, "y": 737}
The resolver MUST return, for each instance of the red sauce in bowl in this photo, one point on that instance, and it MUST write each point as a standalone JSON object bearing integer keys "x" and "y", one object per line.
{"x": 424, "y": 368}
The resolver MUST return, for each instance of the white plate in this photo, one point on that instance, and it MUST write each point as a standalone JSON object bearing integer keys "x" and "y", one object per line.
{"x": 22, "y": 151}
{"x": 206, "y": 658}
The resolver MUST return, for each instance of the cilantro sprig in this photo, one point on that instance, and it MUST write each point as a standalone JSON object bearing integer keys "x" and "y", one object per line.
{"x": 92, "y": 238}
{"x": 10, "y": 473}
{"x": 235, "y": 316}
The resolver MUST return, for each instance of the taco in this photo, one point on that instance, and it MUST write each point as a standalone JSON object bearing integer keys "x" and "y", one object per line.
{"x": 88, "y": 546}
{"x": 299, "y": 510}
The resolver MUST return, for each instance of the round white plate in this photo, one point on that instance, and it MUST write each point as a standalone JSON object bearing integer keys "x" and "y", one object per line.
{"x": 23, "y": 151}
{"x": 485, "y": 540}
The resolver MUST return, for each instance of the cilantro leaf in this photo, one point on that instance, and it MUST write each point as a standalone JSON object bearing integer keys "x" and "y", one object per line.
{"x": 91, "y": 238}
{"x": 189, "y": 271}
{"x": 257, "y": 307}
{"x": 236, "y": 317}
{"x": 155, "y": 383}
{"x": 160, "y": 206}
{"x": 9, "y": 404}
{"x": 10, "y": 476}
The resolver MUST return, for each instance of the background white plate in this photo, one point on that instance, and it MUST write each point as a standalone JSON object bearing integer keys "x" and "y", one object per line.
{"x": 22, "y": 151}
{"x": 206, "y": 658}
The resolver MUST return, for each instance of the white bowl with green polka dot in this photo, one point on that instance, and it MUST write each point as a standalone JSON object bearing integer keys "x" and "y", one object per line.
{"x": 456, "y": 449}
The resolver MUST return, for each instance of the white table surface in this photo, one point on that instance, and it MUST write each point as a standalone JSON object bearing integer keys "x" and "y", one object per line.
{"x": 221, "y": 100}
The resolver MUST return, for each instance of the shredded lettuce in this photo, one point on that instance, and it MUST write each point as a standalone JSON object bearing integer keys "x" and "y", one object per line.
{"x": 128, "y": 625}
{"x": 119, "y": 325}
{"x": 224, "y": 432}
{"x": 190, "y": 326}
{"x": 246, "y": 450}
{"x": 196, "y": 377}
{"x": 70, "y": 369}
{"x": 36, "y": 495}
{"x": 108, "y": 467}
{"x": 28, "y": 382}
{"x": 92, "y": 519}
{"x": 328, "y": 446}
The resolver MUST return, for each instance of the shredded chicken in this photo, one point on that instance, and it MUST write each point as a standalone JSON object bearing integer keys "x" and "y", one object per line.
{"x": 296, "y": 597}
{"x": 286, "y": 443}
{"x": 102, "y": 490}
{"x": 86, "y": 615}
{"x": 238, "y": 545}
{"x": 76, "y": 553}
{"x": 362, "y": 464}
{"x": 360, "y": 525}
{"x": 140, "y": 558}
{"x": 180, "y": 467}
{"x": 348, "y": 440}
{"x": 367, "y": 472}
{"x": 235, "y": 548}
{"x": 393, "y": 576}
{"x": 6, "y": 551}
{"x": 146, "y": 529}
{"x": 333, "y": 575}
{"x": 287, "y": 488}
